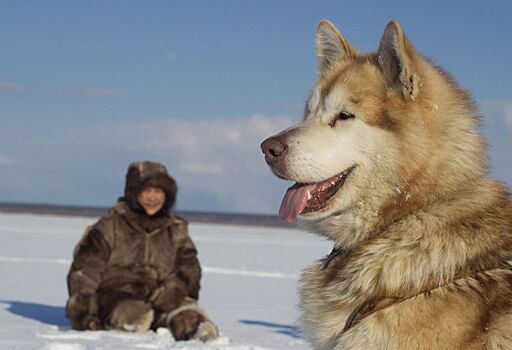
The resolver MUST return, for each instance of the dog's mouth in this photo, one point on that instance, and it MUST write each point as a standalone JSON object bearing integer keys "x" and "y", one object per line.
{"x": 305, "y": 198}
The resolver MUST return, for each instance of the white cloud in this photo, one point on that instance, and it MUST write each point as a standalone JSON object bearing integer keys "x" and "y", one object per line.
{"x": 500, "y": 111}
{"x": 13, "y": 87}
{"x": 224, "y": 142}
{"x": 219, "y": 156}
{"x": 99, "y": 92}
{"x": 4, "y": 159}
{"x": 507, "y": 114}
{"x": 202, "y": 168}
{"x": 498, "y": 131}
{"x": 217, "y": 163}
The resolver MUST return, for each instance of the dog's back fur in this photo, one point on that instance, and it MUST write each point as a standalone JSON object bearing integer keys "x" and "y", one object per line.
{"x": 422, "y": 235}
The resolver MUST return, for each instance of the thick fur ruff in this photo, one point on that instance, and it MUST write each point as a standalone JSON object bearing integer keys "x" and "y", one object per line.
{"x": 206, "y": 329}
{"x": 141, "y": 175}
{"x": 131, "y": 316}
{"x": 421, "y": 234}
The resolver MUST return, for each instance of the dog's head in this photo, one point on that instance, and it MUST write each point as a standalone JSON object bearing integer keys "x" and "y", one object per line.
{"x": 367, "y": 135}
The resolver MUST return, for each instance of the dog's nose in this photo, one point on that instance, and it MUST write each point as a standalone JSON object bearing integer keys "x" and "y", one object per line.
{"x": 273, "y": 148}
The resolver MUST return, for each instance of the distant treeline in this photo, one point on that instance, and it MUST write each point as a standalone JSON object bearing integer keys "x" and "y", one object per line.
{"x": 191, "y": 216}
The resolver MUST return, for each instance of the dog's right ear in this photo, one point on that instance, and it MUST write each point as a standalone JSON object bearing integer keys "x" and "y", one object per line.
{"x": 396, "y": 55}
{"x": 330, "y": 46}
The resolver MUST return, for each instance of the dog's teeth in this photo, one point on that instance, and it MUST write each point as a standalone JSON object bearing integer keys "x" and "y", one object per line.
{"x": 309, "y": 196}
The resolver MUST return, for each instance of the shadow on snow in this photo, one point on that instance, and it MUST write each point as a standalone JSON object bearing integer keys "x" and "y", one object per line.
{"x": 53, "y": 315}
{"x": 289, "y": 330}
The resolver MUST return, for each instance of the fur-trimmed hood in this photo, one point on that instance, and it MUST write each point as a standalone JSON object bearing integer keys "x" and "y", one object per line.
{"x": 145, "y": 174}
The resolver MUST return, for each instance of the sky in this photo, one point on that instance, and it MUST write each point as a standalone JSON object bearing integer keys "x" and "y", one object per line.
{"x": 86, "y": 87}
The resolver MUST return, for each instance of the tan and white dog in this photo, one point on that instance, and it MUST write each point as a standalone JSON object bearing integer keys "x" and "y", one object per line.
{"x": 389, "y": 164}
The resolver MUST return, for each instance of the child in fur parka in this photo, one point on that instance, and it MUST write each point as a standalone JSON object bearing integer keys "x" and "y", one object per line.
{"x": 136, "y": 268}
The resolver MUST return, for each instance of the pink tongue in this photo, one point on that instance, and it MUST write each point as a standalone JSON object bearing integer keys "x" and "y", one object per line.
{"x": 294, "y": 202}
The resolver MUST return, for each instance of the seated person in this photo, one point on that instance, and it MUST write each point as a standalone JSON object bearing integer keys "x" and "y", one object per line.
{"x": 136, "y": 268}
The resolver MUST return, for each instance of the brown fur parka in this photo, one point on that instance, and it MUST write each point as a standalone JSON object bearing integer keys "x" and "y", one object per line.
{"x": 128, "y": 255}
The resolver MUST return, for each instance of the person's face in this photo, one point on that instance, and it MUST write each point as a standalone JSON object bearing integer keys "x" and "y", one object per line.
{"x": 152, "y": 199}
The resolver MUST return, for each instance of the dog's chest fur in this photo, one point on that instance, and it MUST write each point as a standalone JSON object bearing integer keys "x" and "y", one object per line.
{"x": 420, "y": 290}
{"x": 329, "y": 301}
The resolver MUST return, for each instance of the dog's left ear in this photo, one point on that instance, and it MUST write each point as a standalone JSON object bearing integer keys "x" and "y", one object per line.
{"x": 330, "y": 46}
{"x": 396, "y": 55}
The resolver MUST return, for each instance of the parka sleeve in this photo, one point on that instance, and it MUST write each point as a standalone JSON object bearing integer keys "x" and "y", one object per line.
{"x": 188, "y": 268}
{"x": 89, "y": 262}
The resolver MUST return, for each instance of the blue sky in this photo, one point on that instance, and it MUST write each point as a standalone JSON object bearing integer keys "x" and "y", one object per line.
{"x": 86, "y": 87}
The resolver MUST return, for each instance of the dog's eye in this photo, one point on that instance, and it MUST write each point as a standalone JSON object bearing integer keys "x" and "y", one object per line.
{"x": 340, "y": 116}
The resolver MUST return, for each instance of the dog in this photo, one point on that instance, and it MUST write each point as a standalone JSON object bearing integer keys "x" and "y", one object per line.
{"x": 388, "y": 163}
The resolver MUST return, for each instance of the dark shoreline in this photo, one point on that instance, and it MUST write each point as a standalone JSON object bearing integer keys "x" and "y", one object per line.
{"x": 191, "y": 216}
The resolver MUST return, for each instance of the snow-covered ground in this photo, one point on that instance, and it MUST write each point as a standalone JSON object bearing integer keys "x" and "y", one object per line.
{"x": 249, "y": 286}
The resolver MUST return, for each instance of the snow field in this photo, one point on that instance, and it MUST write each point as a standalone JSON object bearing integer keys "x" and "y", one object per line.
{"x": 249, "y": 286}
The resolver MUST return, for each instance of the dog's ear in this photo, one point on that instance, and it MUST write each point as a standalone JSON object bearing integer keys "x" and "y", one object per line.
{"x": 330, "y": 46}
{"x": 396, "y": 56}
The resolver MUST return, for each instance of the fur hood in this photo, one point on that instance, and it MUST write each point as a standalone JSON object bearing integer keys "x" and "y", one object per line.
{"x": 145, "y": 174}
